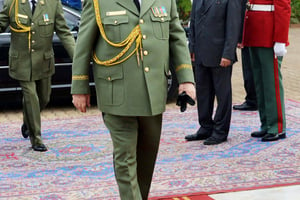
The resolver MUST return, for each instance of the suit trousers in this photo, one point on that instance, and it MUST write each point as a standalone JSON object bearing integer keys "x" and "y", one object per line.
{"x": 135, "y": 146}
{"x": 36, "y": 95}
{"x": 269, "y": 89}
{"x": 214, "y": 82}
{"x": 248, "y": 78}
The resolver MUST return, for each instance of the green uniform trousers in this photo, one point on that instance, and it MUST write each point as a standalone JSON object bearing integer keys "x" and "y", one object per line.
{"x": 135, "y": 146}
{"x": 269, "y": 89}
{"x": 36, "y": 95}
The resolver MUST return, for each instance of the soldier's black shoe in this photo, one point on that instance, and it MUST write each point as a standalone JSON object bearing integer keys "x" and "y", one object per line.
{"x": 245, "y": 106}
{"x": 213, "y": 140}
{"x": 39, "y": 147}
{"x": 25, "y": 131}
{"x": 273, "y": 137}
{"x": 199, "y": 135}
{"x": 258, "y": 134}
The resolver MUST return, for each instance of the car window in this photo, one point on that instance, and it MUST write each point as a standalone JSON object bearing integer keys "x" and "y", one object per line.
{"x": 72, "y": 18}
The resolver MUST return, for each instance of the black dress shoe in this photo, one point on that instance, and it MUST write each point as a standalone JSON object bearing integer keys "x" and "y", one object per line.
{"x": 213, "y": 140}
{"x": 258, "y": 134}
{"x": 39, "y": 147}
{"x": 198, "y": 136}
{"x": 25, "y": 131}
{"x": 245, "y": 106}
{"x": 273, "y": 137}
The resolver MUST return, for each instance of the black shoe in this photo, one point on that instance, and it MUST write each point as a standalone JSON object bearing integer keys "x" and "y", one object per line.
{"x": 273, "y": 137}
{"x": 213, "y": 140}
{"x": 25, "y": 131}
{"x": 258, "y": 134}
{"x": 197, "y": 136}
{"x": 245, "y": 106}
{"x": 39, "y": 147}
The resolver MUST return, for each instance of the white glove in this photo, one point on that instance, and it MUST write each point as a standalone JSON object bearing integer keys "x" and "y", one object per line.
{"x": 279, "y": 49}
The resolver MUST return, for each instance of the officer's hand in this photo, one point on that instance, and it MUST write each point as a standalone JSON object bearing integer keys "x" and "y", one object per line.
{"x": 81, "y": 101}
{"x": 189, "y": 88}
{"x": 279, "y": 49}
{"x": 186, "y": 95}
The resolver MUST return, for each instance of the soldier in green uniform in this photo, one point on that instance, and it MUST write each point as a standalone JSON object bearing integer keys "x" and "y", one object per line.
{"x": 31, "y": 56}
{"x": 130, "y": 46}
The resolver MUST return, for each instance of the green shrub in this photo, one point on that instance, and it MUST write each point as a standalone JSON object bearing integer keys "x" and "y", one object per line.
{"x": 184, "y": 10}
{"x": 295, "y": 15}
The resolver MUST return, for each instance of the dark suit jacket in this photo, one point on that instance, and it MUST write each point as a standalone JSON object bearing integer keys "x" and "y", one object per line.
{"x": 215, "y": 31}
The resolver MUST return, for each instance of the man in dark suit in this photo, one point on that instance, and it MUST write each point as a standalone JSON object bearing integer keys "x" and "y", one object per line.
{"x": 215, "y": 29}
{"x": 31, "y": 56}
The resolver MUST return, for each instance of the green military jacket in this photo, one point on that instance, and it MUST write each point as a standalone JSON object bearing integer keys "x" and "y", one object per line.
{"x": 135, "y": 87}
{"x": 31, "y": 55}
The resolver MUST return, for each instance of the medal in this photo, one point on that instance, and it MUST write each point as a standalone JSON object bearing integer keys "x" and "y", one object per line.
{"x": 46, "y": 17}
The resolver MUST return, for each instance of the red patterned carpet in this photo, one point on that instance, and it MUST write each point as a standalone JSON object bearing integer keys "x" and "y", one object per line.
{"x": 78, "y": 164}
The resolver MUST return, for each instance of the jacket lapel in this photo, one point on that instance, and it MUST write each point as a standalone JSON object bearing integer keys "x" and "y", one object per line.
{"x": 146, "y": 4}
{"x": 39, "y": 8}
{"x": 25, "y": 7}
{"x": 208, "y": 4}
{"x": 128, "y": 6}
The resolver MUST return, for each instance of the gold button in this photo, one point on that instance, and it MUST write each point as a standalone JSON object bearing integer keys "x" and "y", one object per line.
{"x": 145, "y": 53}
{"x": 141, "y": 21}
{"x": 33, "y": 32}
{"x": 116, "y": 21}
{"x": 32, "y": 50}
{"x": 109, "y": 78}
{"x": 144, "y": 37}
{"x": 32, "y": 24}
{"x": 162, "y": 19}
{"x": 33, "y": 41}
{"x": 147, "y": 69}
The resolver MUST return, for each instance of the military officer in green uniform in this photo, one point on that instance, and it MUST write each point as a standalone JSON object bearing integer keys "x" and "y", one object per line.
{"x": 31, "y": 57}
{"x": 130, "y": 46}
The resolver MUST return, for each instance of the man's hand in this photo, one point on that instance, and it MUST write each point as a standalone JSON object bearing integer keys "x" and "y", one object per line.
{"x": 225, "y": 62}
{"x": 279, "y": 49}
{"x": 240, "y": 45}
{"x": 192, "y": 57}
{"x": 81, "y": 101}
{"x": 188, "y": 88}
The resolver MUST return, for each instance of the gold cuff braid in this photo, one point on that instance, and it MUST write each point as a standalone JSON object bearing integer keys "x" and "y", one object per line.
{"x": 80, "y": 77}
{"x": 184, "y": 66}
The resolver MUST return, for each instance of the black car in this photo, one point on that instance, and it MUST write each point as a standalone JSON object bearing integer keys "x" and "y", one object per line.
{"x": 61, "y": 80}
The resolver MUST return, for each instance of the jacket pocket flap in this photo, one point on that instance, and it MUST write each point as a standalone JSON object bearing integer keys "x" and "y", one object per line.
{"x": 110, "y": 73}
{"x": 14, "y": 54}
{"x": 48, "y": 55}
{"x": 115, "y": 20}
{"x": 160, "y": 18}
{"x": 46, "y": 22}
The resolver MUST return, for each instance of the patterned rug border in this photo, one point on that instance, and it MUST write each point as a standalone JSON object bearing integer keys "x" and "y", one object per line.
{"x": 197, "y": 194}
